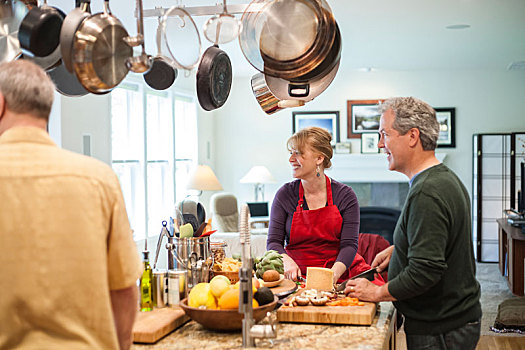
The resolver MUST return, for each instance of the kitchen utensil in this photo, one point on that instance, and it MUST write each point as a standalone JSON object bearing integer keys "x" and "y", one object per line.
{"x": 66, "y": 82}
{"x": 368, "y": 274}
{"x": 305, "y": 91}
{"x": 141, "y": 63}
{"x": 199, "y": 231}
{"x": 224, "y": 320}
{"x": 192, "y": 212}
{"x": 149, "y": 327}
{"x": 13, "y": 12}
{"x": 180, "y": 36}
{"x": 39, "y": 31}
{"x": 194, "y": 255}
{"x": 70, "y": 25}
{"x": 284, "y": 289}
{"x": 287, "y": 39}
{"x": 356, "y": 315}
{"x": 226, "y": 24}
{"x": 206, "y": 234}
{"x": 163, "y": 72}
{"x": 100, "y": 53}
{"x": 46, "y": 63}
{"x": 269, "y": 103}
{"x": 214, "y": 78}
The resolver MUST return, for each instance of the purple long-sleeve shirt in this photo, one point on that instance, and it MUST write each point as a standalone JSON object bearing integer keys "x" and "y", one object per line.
{"x": 283, "y": 208}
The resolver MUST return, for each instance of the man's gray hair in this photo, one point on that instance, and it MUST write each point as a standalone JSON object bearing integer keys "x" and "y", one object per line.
{"x": 413, "y": 113}
{"x": 26, "y": 88}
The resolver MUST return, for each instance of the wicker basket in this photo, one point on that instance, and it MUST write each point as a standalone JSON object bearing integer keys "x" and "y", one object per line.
{"x": 232, "y": 276}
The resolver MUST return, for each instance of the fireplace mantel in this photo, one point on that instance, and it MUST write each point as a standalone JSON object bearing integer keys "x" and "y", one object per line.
{"x": 350, "y": 168}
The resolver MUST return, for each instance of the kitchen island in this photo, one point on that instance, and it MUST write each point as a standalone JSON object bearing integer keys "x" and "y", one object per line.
{"x": 380, "y": 335}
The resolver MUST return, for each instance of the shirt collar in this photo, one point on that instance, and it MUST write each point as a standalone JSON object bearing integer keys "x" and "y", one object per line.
{"x": 26, "y": 134}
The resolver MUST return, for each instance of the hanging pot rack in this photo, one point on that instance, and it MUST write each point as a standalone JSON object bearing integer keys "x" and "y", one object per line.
{"x": 202, "y": 10}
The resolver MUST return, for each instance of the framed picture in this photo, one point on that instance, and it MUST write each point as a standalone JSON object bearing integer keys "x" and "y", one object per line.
{"x": 369, "y": 142}
{"x": 325, "y": 120}
{"x": 363, "y": 117}
{"x": 447, "y": 130}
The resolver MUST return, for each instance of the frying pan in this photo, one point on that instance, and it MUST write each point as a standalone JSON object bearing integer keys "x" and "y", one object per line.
{"x": 39, "y": 32}
{"x": 214, "y": 78}
{"x": 13, "y": 12}
{"x": 70, "y": 25}
{"x": 162, "y": 73}
{"x": 66, "y": 82}
{"x": 100, "y": 52}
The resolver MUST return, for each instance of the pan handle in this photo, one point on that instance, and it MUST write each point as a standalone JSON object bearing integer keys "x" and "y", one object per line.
{"x": 299, "y": 90}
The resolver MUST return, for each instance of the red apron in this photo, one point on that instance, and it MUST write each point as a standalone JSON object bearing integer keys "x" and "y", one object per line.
{"x": 315, "y": 237}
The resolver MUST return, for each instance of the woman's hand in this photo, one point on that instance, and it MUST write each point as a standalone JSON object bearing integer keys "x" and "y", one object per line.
{"x": 339, "y": 268}
{"x": 382, "y": 259}
{"x": 291, "y": 270}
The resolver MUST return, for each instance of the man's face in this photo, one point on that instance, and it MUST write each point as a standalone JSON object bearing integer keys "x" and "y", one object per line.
{"x": 395, "y": 145}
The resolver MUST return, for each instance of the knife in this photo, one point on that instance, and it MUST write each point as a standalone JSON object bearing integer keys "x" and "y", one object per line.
{"x": 368, "y": 274}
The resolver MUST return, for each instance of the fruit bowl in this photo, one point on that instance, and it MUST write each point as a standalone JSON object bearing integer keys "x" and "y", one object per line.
{"x": 224, "y": 320}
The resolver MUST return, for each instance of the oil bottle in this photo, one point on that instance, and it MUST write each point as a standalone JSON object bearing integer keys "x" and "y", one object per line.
{"x": 146, "y": 295}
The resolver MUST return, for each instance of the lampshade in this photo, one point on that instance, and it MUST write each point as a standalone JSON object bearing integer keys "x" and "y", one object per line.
{"x": 202, "y": 178}
{"x": 258, "y": 174}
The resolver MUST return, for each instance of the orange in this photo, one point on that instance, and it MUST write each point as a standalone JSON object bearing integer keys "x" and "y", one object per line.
{"x": 229, "y": 299}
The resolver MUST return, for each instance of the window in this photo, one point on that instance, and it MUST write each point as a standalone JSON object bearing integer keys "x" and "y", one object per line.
{"x": 154, "y": 145}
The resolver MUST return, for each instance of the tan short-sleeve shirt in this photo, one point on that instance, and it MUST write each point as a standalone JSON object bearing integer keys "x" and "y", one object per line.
{"x": 65, "y": 242}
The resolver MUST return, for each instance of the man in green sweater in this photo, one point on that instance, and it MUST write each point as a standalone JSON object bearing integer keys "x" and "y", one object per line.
{"x": 431, "y": 266}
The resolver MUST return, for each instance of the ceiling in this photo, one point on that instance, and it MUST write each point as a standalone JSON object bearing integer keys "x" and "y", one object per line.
{"x": 388, "y": 35}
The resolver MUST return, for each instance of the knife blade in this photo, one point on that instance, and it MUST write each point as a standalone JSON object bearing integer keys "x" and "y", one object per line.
{"x": 368, "y": 274}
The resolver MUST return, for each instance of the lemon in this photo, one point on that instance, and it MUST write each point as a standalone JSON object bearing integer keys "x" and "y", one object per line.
{"x": 219, "y": 285}
{"x": 199, "y": 295}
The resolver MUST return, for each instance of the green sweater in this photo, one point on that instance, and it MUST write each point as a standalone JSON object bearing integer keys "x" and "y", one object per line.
{"x": 432, "y": 269}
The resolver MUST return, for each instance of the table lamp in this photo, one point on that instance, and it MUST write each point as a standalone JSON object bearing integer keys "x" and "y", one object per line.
{"x": 258, "y": 175}
{"x": 202, "y": 178}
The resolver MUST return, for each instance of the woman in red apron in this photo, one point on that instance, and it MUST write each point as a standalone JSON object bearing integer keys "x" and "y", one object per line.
{"x": 305, "y": 216}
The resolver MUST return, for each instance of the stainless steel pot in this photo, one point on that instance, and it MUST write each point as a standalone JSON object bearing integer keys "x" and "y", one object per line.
{"x": 192, "y": 254}
{"x": 269, "y": 103}
{"x": 287, "y": 38}
{"x": 100, "y": 52}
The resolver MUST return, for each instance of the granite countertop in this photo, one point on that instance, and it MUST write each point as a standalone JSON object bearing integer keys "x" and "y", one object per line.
{"x": 289, "y": 336}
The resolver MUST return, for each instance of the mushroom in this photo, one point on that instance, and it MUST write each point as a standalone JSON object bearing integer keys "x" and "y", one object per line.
{"x": 319, "y": 301}
{"x": 302, "y": 301}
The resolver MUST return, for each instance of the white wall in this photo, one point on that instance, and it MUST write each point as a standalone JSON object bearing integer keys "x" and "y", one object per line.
{"x": 484, "y": 102}
{"x": 241, "y": 135}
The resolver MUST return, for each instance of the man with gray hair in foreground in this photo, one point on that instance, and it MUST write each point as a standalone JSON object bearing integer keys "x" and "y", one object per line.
{"x": 69, "y": 263}
{"x": 431, "y": 268}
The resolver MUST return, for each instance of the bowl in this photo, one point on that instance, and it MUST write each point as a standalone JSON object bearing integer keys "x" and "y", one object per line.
{"x": 224, "y": 320}
{"x": 274, "y": 283}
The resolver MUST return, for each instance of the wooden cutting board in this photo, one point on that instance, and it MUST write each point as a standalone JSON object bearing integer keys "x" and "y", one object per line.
{"x": 284, "y": 288}
{"x": 152, "y": 325}
{"x": 358, "y": 315}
